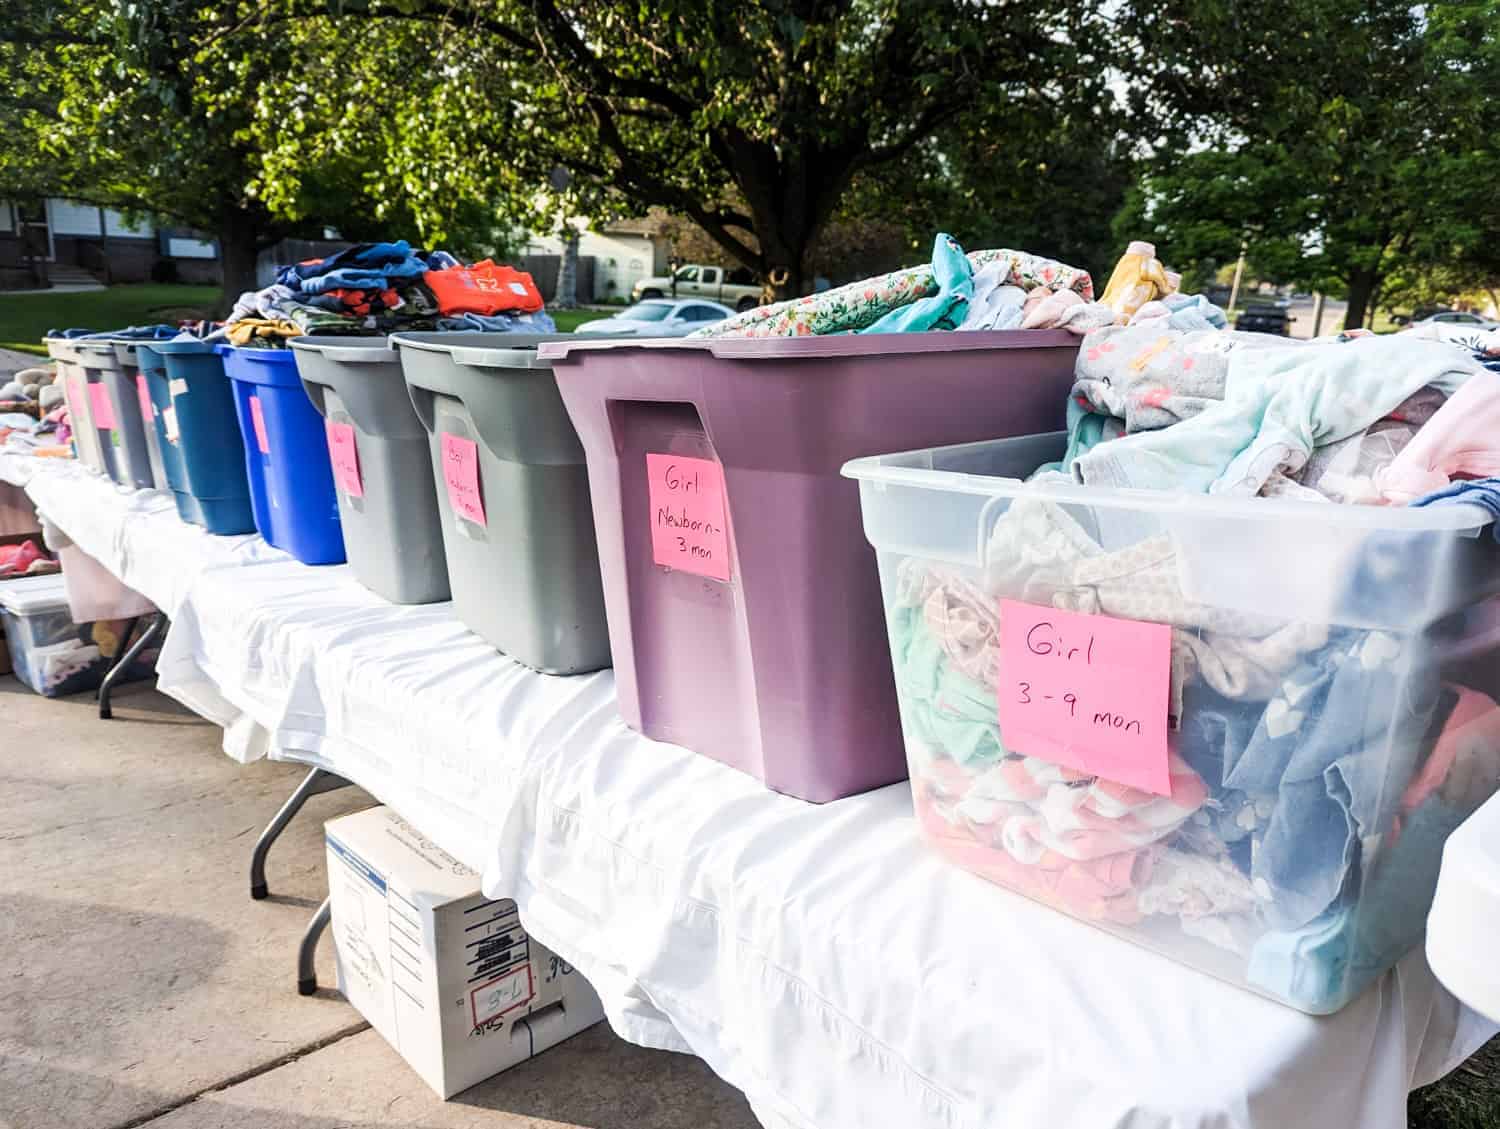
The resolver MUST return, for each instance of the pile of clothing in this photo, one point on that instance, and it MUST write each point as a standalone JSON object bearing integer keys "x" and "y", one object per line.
{"x": 377, "y": 288}
{"x": 984, "y": 290}
{"x": 1317, "y": 759}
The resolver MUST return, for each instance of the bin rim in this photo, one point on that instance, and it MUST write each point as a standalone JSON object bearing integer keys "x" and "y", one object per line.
{"x": 827, "y": 345}
{"x": 178, "y": 345}
{"x": 483, "y": 349}
{"x": 346, "y": 350}
{"x": 914, "y": 469}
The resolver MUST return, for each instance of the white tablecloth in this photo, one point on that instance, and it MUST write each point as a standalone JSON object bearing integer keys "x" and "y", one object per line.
{"x": 817, "y": 957}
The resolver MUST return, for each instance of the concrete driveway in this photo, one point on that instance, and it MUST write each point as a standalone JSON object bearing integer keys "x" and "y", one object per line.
{"x": 140, "y": 985}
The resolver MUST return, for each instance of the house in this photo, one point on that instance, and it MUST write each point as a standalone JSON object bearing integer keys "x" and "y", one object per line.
{"x": 610, "y": 260}
{"x": 57, "y": 240}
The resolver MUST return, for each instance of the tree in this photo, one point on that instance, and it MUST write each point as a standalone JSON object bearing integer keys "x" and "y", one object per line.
{"x": 752, "y": 119}
{"x": 1343, "y": 138}
{"x": 141, "y": 108}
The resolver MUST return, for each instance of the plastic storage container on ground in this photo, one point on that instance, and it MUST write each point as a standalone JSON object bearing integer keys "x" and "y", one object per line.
{"x": 381, "y": 467}
{"x": 52, "y": 654}
{"x": 286, "y": 455}
{"x": 118, "y": 400}
{"x": 75, "y": 386}
{"x": 1234, "y": 730}
{"x": 199, "y": 434}
{"x": 513, "y": 491}
{"x": 744, "y": 605}
{"x": 138, "y": 387}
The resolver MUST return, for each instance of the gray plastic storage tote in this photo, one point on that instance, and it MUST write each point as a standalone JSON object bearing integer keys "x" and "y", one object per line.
{"x": 141, "y": 390}
{"x": 513, "y": 489}
{"x": 121, "y": 402}
{"x": 75, "y": 386}
{"x": 381, "y": 467}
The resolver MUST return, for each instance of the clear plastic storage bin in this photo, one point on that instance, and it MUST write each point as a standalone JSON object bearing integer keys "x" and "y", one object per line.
{"x": 52, "y": 654}
{"x": 1236, "y": 731}
{"x": 743, "y": 604}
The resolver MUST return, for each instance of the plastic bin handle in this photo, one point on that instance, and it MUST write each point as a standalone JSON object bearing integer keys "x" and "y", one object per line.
{"x": 521, "y": 356}
{"x": 345, "y": 354}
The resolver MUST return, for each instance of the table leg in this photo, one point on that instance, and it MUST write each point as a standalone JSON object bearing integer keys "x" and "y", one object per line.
{"x": 314, "y": 783}
{"x": 307, "y": 973}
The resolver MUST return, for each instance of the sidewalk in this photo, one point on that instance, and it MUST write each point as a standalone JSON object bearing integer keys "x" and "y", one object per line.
{"x": 143, "y": 987}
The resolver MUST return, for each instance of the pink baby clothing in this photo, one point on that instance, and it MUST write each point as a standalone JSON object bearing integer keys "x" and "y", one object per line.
{"x": 1098, "y": 890}
{"x": 1464, "y": 765}
{"x": 1461, "y": 440}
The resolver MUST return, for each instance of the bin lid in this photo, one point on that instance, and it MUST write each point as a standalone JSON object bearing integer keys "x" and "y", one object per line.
{"x": 827, "y": 345}
{"x": 178, "y": 345}
{"x": 274, "y": 367}
{"x": 1466, "y": 912}
{"x": 34, "y": 595}
{"x": 481, "y": 349}
{"x": 347, "y": 350}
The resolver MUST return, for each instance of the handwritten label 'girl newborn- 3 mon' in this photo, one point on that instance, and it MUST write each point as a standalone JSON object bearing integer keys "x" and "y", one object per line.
{"x": 1086, "y": 691}
{"x": 689, "y": 530}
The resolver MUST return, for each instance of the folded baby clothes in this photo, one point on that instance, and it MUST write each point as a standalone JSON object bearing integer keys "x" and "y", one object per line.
{"x": 1137, "y": 279}
{"x": 1347, "y": 471}
{"x": 1152, "y": 375}
{"x": 1481, "y": 492}
{"x": 859, "y": 305}
{"x": 1279, "y": 405}
{"x": 1334, "y": 743}
{"x": 1462, "y": 440}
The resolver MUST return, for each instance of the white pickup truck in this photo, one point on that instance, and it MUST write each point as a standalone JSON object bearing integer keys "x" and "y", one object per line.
{"x": 734, "y": 287}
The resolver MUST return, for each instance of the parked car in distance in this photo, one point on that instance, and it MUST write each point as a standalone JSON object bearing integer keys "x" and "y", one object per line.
{"x": 1450, "y": 325}
{"x": 734, "y": 287}
{"x": 1265, "y": 319}
{"x": 660, "y": 318}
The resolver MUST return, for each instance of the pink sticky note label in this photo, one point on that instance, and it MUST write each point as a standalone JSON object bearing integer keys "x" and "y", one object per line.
{"x": 258, "y": 422}
{"x": 461, "y": 476}
{"x": 143, "y": 394}
{"x": 78, "y": 390}
{"x": 1087, "y": 691}
{"x": 100, "y": 407}
{"x": 689, "y": 526}
{"x": 344, "y": 455}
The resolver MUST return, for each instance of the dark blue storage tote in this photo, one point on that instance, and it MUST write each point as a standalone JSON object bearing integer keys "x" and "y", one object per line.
{"x": 199, "y": 434}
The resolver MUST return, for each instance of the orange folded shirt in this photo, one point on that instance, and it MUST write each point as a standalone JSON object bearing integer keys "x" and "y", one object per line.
{"x": 485, "y": 288}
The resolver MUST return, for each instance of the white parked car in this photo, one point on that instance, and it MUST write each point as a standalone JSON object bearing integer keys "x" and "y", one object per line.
{"x": 660, "y": 317}
{"x": 1452, "y": 326}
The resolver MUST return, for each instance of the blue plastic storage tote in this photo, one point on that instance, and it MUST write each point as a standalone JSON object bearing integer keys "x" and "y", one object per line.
{"x": 199, "y": 434}
{"x": 286, "y": 455}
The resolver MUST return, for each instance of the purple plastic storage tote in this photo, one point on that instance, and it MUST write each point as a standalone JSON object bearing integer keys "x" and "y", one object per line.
{"x": 783, "y": 669}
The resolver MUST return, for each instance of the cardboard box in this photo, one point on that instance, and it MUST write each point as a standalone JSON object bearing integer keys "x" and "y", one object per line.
{"x": 447, "y": 975}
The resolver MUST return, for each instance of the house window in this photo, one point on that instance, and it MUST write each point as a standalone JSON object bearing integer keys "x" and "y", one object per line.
{"x": 115, "y": 224}
{"x": 180, "y": 248}
{"x": 68, "y": 218}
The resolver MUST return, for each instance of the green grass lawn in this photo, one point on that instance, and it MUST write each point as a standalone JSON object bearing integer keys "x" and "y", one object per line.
{"x": 25, "y": 317}
{"x": 569, "y": 320}
{"x": 1469, "y": 1098}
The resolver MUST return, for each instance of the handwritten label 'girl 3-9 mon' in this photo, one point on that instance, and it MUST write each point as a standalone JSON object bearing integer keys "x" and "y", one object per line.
{"x": 689, "y": 530}
{"x": 1086, "y": 691}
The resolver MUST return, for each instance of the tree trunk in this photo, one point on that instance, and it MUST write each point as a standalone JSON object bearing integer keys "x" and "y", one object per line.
{"x": 1362, "y": 284}
{"x": 239, "y": 243}
{"x": 566, "y": 295}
